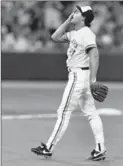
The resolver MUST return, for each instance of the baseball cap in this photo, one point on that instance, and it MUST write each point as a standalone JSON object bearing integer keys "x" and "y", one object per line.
{"x": 83, "y": 9}
{"x": 86, "y": 11}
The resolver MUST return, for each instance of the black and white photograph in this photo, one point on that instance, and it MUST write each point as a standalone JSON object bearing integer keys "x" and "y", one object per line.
{"x": 61, "y": 83}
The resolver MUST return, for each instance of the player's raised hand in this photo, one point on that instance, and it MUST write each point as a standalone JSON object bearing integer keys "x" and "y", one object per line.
{"x": 70, "y": 17}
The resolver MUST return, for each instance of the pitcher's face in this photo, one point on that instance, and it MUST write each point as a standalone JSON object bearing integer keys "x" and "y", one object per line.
{"x": 77, "y": 17}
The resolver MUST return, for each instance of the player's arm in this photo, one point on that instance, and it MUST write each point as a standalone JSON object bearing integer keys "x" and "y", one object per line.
{"x": 60, "y": 34}
{"x": 94, "y": 63}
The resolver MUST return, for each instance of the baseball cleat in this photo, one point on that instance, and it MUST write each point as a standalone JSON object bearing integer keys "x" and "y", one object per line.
{"x": 98, "y": 155}
{"x": 42, "y": 150}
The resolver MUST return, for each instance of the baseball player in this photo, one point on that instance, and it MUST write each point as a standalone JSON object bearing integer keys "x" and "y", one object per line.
{"x": 82, "y": 63}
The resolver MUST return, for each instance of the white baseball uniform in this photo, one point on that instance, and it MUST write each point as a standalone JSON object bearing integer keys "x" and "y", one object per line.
{"x": 77, "y": 91}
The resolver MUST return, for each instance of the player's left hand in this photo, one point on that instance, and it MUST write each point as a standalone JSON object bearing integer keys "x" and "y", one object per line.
{"x": 99, "y": 91}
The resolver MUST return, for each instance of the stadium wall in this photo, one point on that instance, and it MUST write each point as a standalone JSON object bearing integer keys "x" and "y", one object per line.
{"x": 52, "y": 66}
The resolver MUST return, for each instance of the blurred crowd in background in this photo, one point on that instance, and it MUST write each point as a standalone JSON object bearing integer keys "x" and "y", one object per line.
{"x": 27, "y": 26}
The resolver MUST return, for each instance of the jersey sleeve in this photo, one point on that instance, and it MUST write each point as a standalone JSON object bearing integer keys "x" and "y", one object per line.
{"x": 69, "y": 35}
{"x": 89, "y": 40}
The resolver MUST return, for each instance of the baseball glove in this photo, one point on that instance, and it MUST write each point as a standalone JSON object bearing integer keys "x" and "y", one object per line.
{"x": 99, "y": 91}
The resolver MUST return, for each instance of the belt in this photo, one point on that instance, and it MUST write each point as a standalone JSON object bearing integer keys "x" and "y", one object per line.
{"x": 85, "y": 68}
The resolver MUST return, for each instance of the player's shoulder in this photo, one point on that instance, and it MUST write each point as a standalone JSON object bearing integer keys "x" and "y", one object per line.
{"x": 86, "y": 31}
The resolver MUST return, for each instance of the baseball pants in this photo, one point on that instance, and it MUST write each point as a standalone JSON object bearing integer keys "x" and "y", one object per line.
{"x": 77, "y": 93}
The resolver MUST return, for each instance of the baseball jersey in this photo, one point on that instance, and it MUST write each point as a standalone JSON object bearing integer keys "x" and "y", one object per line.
{"x": 79, "y": 42}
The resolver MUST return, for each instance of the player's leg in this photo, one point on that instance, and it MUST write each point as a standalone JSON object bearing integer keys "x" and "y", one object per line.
{"x": 59, "y": 130}
{"x": 89, "y": 110}
{"x": 68, "y": 104}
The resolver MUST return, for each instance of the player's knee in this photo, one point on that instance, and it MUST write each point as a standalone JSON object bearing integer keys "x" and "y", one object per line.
{"x": 61, "y": 113}
{"x": 91, "y": 115}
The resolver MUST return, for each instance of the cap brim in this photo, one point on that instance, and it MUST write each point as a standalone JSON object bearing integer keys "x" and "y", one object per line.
{"x": 79, "y": 8}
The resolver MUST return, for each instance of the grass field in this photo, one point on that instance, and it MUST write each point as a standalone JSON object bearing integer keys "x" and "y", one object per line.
{"x": 30, "y": 98}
